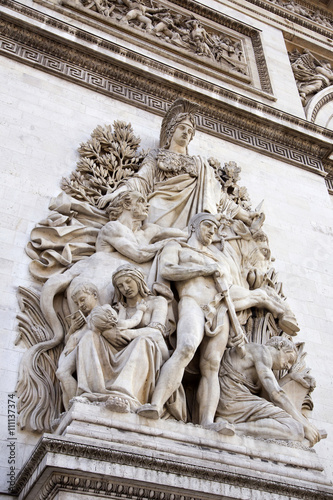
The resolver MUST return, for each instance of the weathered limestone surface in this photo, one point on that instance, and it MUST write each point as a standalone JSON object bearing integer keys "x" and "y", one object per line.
{"x": 163, "y": 457}
{"x": 44, "y": 119}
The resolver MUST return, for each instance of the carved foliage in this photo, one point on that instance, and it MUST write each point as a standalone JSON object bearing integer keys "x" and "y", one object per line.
{"x": 38, "y": 389}
{"x": 109, "y": 157}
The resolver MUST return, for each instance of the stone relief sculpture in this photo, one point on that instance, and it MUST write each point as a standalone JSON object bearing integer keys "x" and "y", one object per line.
{"x": 119, "y": 346}
{"x": 203, "y": 322}
{"x": 96, "y": 332}
{"x": 315, "y": 15}
{"x": 155, "y": 273}
{"x": 242, "y": 379}
{"x": 311, "y": 75}
{"x": 178, "y": 185}
{"x": 174, "y": 28}
{"x": 139, "y": 12}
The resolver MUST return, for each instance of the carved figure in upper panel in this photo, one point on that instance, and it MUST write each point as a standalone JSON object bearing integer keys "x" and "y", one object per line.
{"x": 311, "y": 74}
{"x": 141, "y": 13}
{"x": 154, "y": 268}
{"x": 316, "y": 15}
{"x": 181, "y": 30}
{"x": 171, "y": 28}
{"x": 297, "y": 8}
{"x": 176, "y": 184}
{"x": 319, "y": 18}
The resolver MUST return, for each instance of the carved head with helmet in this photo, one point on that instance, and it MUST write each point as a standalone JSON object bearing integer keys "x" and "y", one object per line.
{"x": 204, "y": 226}
{"x": 181, "y": 111}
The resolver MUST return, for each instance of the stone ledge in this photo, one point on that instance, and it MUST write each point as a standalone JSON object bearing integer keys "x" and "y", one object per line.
{"x": 91, "y": 443}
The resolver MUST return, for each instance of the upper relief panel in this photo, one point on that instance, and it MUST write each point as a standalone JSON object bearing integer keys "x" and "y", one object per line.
{"x": 317, "y": 16}
{"x": 189, "y": 38}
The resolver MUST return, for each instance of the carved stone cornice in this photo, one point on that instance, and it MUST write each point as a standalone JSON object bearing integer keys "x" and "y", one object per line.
{"x": 71, "y": 482}
{"x": 274, "y": 133}
{"x": 329, "y": 183}
{"x": 297, "y": 19}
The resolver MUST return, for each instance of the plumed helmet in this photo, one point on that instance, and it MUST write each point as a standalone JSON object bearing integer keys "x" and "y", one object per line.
{"x": 179, "y": 111}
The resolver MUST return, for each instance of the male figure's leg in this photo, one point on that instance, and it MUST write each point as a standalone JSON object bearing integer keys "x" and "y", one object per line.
{"x": 190, "y": 332}
{"x": 279, "y": 428}
{"x": 211, "y": 352}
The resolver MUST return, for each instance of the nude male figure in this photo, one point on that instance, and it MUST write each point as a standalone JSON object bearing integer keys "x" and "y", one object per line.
{"x": 128, "y": 233}
{"x": 242, "y": 379}
{"x": 193, "y": 267}
{"x": 126, "y": 236}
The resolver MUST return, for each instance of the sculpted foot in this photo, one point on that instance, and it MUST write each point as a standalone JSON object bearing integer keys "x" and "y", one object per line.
{"x": 222, "y": 427}
{"x": 149, "y": 411}
{"x": 120, "y": 405}
{"x": 288, "y": 324}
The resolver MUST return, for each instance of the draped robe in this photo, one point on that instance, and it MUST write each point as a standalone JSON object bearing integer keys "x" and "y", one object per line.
{"x": 179, "y": 187}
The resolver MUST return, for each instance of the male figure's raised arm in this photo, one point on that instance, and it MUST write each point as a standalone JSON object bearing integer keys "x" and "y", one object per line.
{"x": 124, "y": 242}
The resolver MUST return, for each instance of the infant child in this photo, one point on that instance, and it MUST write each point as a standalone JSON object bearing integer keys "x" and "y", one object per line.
{"x": 106, "y": 321}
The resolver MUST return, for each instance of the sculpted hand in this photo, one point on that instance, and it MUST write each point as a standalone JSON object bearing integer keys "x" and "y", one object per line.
{"x": 236, "y": 341}
{"x": 247, "y": 217}
{"x": 78, "y": 321}
{"x": 142, "y": 306}
{"x": 304, "y": 379}
{"x": 110, "y": 196}
{"x": 311, "y": 433}
{"x": 154, "y": 247}
{"x": 104, "y": 200}
{"x": 212, "y": 269}
{"x": 120, "y": 307}
{"x": 122, "y": 339}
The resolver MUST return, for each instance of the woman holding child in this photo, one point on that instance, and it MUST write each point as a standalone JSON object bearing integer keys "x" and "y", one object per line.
{"x": 120, "y": 355}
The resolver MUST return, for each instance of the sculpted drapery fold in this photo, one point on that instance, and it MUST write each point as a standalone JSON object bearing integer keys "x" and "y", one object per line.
{"x": 170, "y": 241}
{"x": 177, "y": 190}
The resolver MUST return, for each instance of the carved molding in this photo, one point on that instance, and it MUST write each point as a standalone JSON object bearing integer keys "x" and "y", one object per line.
{"x": 302, "y": 21}
{"x": 125, "y": 84}
{"x": 101, "y": 486}
{"x": 329, "y": 183}
{"x": 188, "y": 40}
{"x": 328, "y": 97}
{"x": 55, "y": 445}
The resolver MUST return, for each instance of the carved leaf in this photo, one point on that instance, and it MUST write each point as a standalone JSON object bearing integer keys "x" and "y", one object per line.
{"x": 38, "y": 389}
{"x": 102, "y": 164}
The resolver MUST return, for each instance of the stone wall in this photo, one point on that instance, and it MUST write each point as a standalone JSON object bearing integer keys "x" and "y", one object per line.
{"x": 45, "y": 118}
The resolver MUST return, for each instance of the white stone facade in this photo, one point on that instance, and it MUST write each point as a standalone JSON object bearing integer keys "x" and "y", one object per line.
{"x": 44, "y": 118}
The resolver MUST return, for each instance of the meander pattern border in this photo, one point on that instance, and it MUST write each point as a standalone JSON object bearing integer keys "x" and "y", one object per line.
{"x": 79, "y": 66}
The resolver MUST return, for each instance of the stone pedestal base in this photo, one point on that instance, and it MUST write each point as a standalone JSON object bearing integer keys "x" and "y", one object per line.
{"x": 96, "y": 453}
